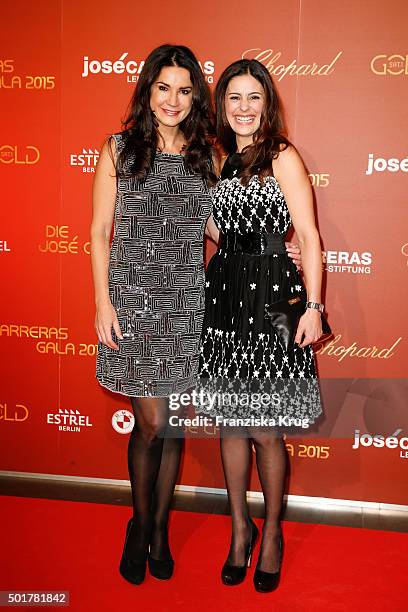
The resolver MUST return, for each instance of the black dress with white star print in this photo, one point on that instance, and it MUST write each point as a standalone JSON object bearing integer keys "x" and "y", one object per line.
{"x": 238, "y": 342}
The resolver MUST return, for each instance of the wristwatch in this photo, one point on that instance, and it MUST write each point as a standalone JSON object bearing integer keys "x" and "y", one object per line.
{"x": 315, "y": 305}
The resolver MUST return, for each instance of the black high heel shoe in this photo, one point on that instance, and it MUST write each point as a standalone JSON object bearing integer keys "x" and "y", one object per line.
{"x": 266, "y": 582}
{"x": 232, "y": 575}
{"x": 132, "y": 570}
{"x": 161, "y": 568}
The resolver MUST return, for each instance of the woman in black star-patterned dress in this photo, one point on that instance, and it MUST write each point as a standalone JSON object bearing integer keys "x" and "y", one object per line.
{"x": 263, "y": 189}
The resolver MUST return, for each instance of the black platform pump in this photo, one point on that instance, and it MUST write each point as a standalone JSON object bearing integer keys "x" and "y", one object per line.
{"x": 266, "y": 582}
{"x": 133, "y": 570}
{"x": 232, "y": 575}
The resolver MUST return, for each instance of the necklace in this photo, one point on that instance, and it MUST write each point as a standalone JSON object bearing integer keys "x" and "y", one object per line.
{"x": 181, "y": 152}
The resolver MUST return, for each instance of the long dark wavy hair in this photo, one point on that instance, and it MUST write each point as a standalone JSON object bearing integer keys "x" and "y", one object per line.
{"x": 140, "y": 126}
{"x": 269, "y": 138}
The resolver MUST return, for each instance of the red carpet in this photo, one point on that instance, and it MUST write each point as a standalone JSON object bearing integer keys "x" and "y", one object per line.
{"x": 76, "y": 547}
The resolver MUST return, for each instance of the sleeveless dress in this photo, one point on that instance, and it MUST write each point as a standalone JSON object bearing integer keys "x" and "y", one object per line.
{"x": 156, "y": 280}
{"x": 250, "y": 270}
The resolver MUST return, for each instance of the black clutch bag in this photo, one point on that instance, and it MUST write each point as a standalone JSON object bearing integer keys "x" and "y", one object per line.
{"x": 284, "y": 316}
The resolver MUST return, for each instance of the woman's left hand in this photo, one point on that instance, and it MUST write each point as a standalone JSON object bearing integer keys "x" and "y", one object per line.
{"x": 293, "y": 250}
{"x": 310, "y": 326}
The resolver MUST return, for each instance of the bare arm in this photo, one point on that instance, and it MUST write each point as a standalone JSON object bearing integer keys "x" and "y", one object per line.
{"x": 212, "y": 230}
{"x": 292, "y": 177}
{"x": 103, "y": 198}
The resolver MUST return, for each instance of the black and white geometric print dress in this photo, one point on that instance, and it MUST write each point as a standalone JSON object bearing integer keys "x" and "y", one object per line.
{"x": 156, "y": 280}
{"x": 249, "y": 270}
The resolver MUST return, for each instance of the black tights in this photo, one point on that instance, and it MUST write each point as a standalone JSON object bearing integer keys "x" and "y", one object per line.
{"x": 153, "y": 461}
{"x": 271, "y": 464}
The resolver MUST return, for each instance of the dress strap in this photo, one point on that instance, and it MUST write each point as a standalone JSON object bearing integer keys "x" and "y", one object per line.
{"x": 119, "y": 141}
{"x": 232, "y": 166}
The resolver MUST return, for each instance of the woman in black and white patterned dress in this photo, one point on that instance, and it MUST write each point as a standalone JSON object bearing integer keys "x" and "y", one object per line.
{"x": 156, "y": 278}
{"x": 263, "y": 189}
{"x": 152, "y": 183}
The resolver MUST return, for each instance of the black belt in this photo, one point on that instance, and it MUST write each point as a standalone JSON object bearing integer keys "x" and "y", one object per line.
{"x": 253, "y": 243}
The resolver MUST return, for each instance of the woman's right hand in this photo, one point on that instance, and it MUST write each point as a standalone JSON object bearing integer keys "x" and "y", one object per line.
{"x": 106, "y": 319}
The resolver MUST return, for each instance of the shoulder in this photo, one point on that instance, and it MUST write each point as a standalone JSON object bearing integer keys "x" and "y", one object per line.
{"x": 288, "y": 155}
{"x": 109, "y": 152}
{"x": 112, "y": 147}
{"x": 117, "y": 141}
{"x": 288, "y": 162}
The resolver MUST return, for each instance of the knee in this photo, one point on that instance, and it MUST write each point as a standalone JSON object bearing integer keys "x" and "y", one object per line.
{"x": 151, "y": 431}
{"x": 265, "y": 441}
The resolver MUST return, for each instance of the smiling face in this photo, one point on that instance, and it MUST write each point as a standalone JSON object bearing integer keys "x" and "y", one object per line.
{"x": 244, "y": 102}
{"x": 171, "y": 96}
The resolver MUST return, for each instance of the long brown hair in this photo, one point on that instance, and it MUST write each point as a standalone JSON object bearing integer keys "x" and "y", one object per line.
{"x": 140, "y": 130}
{"x": 268, "y": 140}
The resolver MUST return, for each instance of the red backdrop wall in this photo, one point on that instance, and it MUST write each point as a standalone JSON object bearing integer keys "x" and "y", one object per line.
{"x": 67, "y": 71}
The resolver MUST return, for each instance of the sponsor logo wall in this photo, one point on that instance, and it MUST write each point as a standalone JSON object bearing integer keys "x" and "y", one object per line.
{"x": 344, "y": 89}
